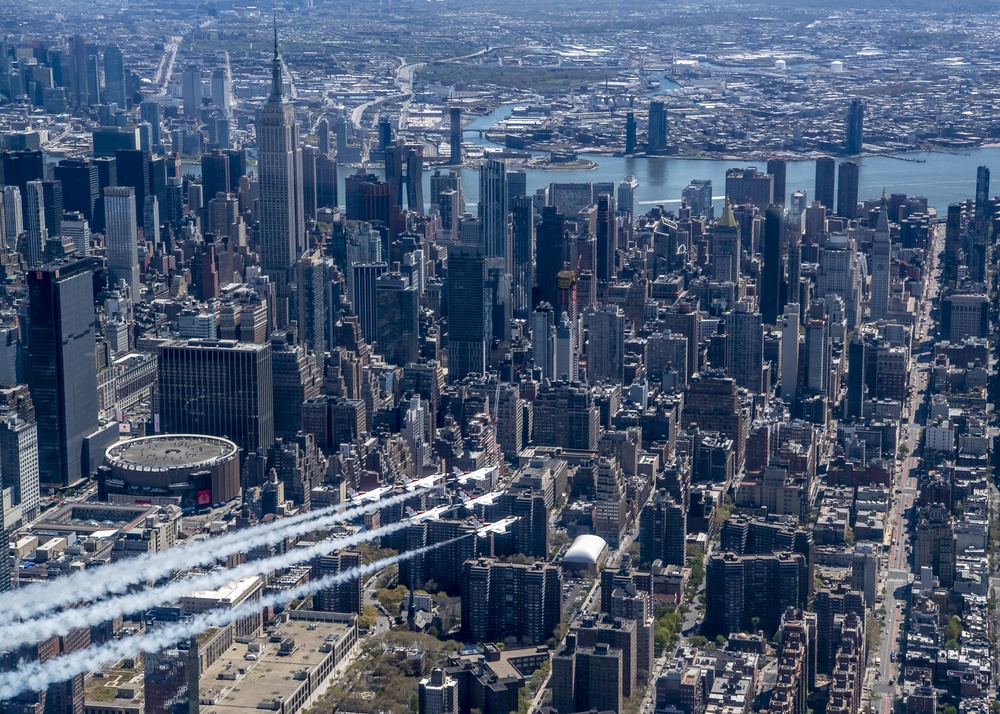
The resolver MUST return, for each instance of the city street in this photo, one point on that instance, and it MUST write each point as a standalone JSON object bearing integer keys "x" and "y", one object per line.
{"x": 897, "y": 569}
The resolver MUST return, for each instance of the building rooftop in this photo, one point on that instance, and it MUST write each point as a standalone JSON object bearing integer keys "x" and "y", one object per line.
{"x": 230, "y": 594}
{"x": 235, "y": 684}
{"x": 587, "y": 548}
{"x": 172, "y": 451}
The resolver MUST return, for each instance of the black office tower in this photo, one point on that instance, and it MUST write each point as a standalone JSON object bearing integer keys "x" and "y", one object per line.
{"x": 847, "y": 189}
{"x": 826, "y": 171}
{"x": 237, "y": 167}
{"x": 978, "y": 252}
{"x": 214, "y": 175}
{"x": 855, "y": 128}
{"x": 309, "y": 156}
{"x": 630, "y": 132}
{"x": 107, "y": 175}
{"x": 856, "y": 364}
{"x": 326, "y": 182}
{"x": 384, "y": 134}
{"x": 219, "y": 388}
{"x": 549, "y": 257}
{"x": 415, "y": 179}
{"x": 772, "y": 271}
{"x": 952, "y": 243}
{"x": 80, "y": 188}
{"x": 52, "y": 194}
{"x": 657, "y": 132}
{"x": 62, "y": 368}
{"x": 456, "y": 135}
{"x": 17, "y": 168}
{"x": 778, "y": 169}
{"x": 607, "y": 237}
{"x": 523, "y": 238}
{"x": 470, "y": 314}
{"x": 133, "y": 169}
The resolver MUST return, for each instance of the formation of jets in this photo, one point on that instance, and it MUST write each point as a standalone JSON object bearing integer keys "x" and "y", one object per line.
{"x": 457, "y": 476}
{"x": 500, "y": 526}
{"x": 464, "y": 477}
{"x": 355, "y": 497}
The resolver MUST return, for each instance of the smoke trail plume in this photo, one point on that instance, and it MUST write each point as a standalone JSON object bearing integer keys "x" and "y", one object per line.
{"x": 39, "y": 629}
{"x": 35, "y": 676}
{"x": 93, "y": 584}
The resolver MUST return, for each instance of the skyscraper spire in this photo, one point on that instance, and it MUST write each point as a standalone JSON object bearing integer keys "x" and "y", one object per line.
{"x": 275, "y": 64}
{"x": 281, "y": 239}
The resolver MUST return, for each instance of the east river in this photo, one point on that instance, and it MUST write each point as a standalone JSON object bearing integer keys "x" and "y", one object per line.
{"x": 943, "y": 177}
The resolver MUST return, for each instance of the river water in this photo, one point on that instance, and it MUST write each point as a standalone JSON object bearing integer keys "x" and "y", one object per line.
{"x": 942, "y": 177}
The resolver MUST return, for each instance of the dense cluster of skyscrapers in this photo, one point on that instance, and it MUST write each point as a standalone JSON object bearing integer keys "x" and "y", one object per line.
{"x": 682, "y": 415}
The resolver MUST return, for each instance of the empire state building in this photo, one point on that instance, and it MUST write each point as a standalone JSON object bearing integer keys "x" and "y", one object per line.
{"x": 282, "y": 235}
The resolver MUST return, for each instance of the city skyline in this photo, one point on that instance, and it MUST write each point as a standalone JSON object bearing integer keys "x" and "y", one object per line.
{"x": 574, "y": 358}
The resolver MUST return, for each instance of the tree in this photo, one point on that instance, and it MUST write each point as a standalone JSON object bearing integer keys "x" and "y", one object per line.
{"x": 369, "y": 553}
{"x": 668, "y": 625}
{"x": 392, "y": 598}
{"x": 369, "y": 618}
{"x": 953, "y": 630}
{"x": 523, "y": 701}
{"x": 873, "y": 635}
{"x": 755, "y": 624}
{"x": 697, "y": 564}
{"x": 724, "y": 510}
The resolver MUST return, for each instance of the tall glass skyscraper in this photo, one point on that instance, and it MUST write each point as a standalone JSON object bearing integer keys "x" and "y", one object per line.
{"x": 115, "y": 90}
{"x": 62, "y": 371}
{"x": 470, "y": 314}
{"x": 493, "y": 209}
{"x": 122, "y": 238}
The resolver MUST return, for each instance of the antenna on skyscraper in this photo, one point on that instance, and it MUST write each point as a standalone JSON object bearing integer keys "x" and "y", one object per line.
{"x": 274, "y": 20}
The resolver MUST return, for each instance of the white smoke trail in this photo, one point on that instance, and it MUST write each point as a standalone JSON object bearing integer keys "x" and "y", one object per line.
{"x": 35, "y": 676}
{"x": 96, "y": 583}
{"x": 39, "y": 629}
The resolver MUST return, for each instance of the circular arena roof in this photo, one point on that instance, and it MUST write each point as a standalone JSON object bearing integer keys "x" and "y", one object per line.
{"x": 587, "y": 548}
{"x": 171, "y": 451}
